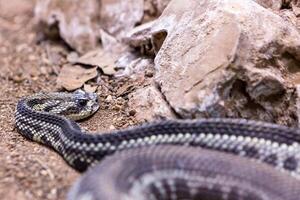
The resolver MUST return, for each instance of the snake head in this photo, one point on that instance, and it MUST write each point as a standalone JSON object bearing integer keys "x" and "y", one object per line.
{"x": 76, "y": 106}
{"x": 82, "y": 105}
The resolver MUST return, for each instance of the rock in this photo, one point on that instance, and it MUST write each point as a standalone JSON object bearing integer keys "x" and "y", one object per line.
{"x": 134, "y": 68}
{"x": 289, "y": 16}
{"x": 112, "y": 45}
{"x": 119, "y": 16}
{"x": 295, "y": 4}
{"x": 90, "y": 88}
{"x": 149, "y": 104}
{"x": 109, "y": 98}
{"x": 226, "y": 59}
{"x": 273, "y": 4}
{"x": 153, "y": 9}
{"x": 76, "y": 20}
{"x": 13, "y": 8}
{"x": 146, "y": 40}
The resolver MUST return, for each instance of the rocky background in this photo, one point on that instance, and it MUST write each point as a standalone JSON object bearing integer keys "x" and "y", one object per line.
{"x": 147, "y": 60}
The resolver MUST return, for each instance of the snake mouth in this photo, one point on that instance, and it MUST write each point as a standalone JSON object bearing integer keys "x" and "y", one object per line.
{"x": 95, "y": 108}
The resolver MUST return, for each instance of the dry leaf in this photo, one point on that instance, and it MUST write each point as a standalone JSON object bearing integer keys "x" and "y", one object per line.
{"x": 72, "y": 77}
{"x": 99, "y": 58}
{"x": 125, "y": 89}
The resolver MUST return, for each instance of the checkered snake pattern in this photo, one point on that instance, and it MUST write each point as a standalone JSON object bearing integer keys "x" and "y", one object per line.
{"x": 237, "y": 159}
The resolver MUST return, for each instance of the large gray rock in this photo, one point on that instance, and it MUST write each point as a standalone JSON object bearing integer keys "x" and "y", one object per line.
{"x": 226, "y": 59}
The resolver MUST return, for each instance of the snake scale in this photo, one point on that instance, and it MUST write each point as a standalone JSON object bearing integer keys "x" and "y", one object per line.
{"x": 238, "y": 159}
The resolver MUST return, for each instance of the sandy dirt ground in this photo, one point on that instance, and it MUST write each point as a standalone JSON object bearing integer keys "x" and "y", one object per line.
{"x": 29, "y": 170}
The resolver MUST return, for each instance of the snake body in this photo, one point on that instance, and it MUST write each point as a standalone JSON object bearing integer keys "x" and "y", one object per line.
{"x": 172, "y": 172}
{"x": 38, "y": 118}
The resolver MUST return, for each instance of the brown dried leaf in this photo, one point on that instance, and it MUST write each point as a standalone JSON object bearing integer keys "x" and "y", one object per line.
{"x": 101, "y": 59}
{"x": 73, "y": 77}
{"x": 125, "y": 89}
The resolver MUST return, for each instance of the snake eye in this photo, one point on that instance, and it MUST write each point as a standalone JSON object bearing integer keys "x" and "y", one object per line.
{"x": 82, "y": 102}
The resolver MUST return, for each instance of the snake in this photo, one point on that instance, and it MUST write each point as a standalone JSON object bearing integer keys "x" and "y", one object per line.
{"x": 213, "y": 158}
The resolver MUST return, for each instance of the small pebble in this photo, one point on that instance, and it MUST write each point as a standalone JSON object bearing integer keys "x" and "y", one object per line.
{"x": 117, "y": 107}
{"x": 44, "y": 173}
{"x": 112, "y": 127}
{"x": 132, "y": 112}
{"x": 109, "y": 98}
{"x": 149, "y": 73}
{"x": 39, "y": 193}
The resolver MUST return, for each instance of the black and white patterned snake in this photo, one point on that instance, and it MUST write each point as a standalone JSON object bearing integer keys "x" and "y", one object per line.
{"x": 205, "y": 159}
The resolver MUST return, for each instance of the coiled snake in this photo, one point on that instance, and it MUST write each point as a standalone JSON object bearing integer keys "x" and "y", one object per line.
{"x": 161, "y": 160}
